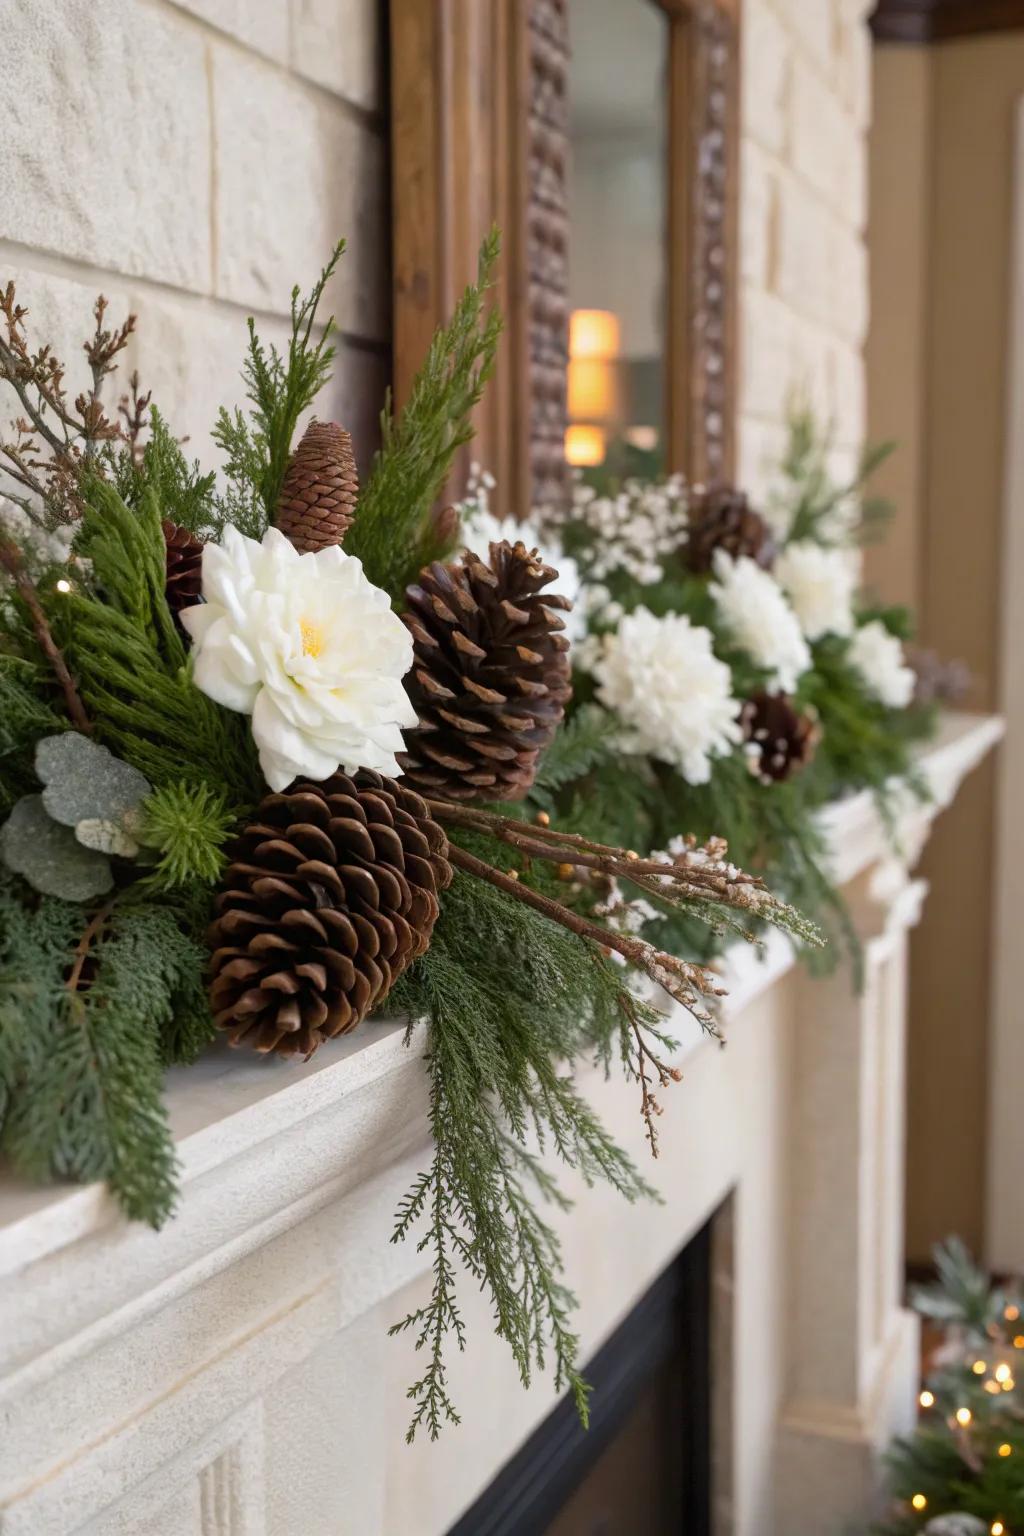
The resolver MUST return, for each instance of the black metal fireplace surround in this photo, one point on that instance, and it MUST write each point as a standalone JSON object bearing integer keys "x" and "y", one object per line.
{"x": 644, "y": 1466}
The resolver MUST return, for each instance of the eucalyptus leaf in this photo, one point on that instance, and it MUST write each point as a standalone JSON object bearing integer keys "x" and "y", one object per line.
{"x": 105, "y": 836}
{"x": 86, "y": 783}
{"x": 49, "y": 856}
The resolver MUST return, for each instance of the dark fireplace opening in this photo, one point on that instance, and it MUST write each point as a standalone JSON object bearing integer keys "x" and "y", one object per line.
{"x": 644, "y": 1466}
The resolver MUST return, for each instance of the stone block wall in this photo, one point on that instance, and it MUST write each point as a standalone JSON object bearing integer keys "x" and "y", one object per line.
{"x": 806, "y": 104}
{"x": 192, "y": 161}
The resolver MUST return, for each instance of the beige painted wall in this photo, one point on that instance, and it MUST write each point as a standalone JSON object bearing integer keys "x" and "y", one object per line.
{"x": 939, "y": 221}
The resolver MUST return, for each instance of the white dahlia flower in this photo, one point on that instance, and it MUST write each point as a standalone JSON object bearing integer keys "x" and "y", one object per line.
{"x": 669, "y": 690}
{"x": 754, "y": 609}
{"x": 878, "y": 657}
{"x": 308, "y": 647}
{"x": 820, "y": 584}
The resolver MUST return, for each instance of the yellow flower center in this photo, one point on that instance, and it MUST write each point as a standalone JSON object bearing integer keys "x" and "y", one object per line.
{"x": 312, "y": 638}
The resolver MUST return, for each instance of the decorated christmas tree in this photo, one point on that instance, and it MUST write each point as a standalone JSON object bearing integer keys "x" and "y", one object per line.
{"x": 961, "y": 1472}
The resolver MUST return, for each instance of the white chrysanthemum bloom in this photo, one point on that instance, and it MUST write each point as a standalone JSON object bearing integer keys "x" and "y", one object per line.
{"x": 480, "y": 528}
{"x": 673, "y": 696}
{"x": 754, "y": 609}
{"x": 878, "y": 657}
{"x": 308, "y": 647}
{"x": 820, "y": 584}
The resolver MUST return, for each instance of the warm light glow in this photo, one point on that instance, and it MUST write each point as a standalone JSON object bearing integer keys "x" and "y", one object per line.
{"x": 1018, "y": 1341}
{"x": 992, "y": 1386}
{"x": 593, "y": 333}
{"x": 1011, "y": 1314}
{"x": 927, "y": 1399}
{"x": 63, "y": 586}
{"x": 963, "y": 1417}
{"x": 1002, "y": 1372}
{"x": 1005, "y": 1450}
{"x": 593, "y": 391}
{"x": 919, "y": 1501}
{"x": 997, "y": 1528}
{"x": 585, "y": 446}
{"x": 644, "y": 438}
{"x": 1009, "y": 1384}
{"x": 979, "y": 1367}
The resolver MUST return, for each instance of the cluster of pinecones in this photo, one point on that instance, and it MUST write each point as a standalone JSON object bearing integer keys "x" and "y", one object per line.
{"x": 332, "y": 890}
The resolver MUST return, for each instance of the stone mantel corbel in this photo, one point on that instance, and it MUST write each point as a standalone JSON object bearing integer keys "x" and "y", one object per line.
{"x": 231, "y": 1376}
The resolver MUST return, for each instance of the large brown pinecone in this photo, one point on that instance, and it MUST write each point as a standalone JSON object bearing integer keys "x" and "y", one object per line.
{"x": 490, "y": 679}
{"x": 320, "y": 490}
{"x": 331, "y": 893}
{"x": 782, "y": 738}
{"x": 184, "y": 566}
{"x": 721, "y": 518}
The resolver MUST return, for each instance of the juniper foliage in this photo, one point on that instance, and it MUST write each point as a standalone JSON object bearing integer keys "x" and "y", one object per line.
{"x": 394, "y": 534}
{"x": 279, "y": 389}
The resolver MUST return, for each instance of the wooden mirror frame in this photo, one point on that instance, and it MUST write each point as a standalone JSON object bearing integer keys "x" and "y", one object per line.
{"x": 480, "y": 134}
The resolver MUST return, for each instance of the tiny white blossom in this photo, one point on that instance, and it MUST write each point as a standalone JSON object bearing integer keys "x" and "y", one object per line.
{"x": 878, "y": 657}
{"x": 754, "y": 609}
{"x": 308, "y": 647}
{"x": 673, "y": 696}
{"x": 636, "y": 530}
{"x": 820, "y": 584}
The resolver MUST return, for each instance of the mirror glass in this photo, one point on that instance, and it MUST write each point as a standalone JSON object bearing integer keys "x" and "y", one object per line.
{"x": 617, "y": 235}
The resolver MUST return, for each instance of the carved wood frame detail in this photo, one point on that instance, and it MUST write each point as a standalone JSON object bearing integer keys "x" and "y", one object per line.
{"x": 480, "y": 134}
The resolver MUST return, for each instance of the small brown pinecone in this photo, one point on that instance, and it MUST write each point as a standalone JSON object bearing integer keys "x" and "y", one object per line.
{"x": 184, "y": 566}
{"x": 320, "y": 490}
{"x": 331, "y": 893}
{"x": 490, "y": 679}
{"x": 720, "y": 518}
{"x": 781, "y": 739}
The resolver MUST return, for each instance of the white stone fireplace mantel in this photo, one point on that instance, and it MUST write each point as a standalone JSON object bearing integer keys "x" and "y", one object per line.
{"x": 231, "y": 1376}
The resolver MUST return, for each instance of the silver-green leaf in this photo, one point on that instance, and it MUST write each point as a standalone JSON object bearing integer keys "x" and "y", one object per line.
{"x": 49, "y": 856}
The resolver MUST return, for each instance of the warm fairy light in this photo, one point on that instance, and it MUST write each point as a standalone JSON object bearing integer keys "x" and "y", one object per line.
{"x": 63, "y": 585}
{"x": 1018, "y": 1341}
{"x": 992, "y": 1386}
{"x": 963, "y": 1417}
{"x": 1002, "y": 1372}
{"x": 593, "y": 333}
{"x": 1009, "y": 1384}
{"x": 919, "y": 1501}
{"x": 1011, "y": 1314}
{"x": 979, "y": 1367}
{"x": 585, "y": 446}
{"x": 927, "y": 1399}
{"x": 997, "y": 1528}
{"x": 1005, "y": 1449}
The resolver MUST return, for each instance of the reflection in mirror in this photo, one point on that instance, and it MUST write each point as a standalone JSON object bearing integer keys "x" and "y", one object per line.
{"x": 617, "y": 237}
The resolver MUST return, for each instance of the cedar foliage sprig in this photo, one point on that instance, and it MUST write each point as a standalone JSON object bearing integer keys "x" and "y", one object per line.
{"x": 279, "y": 390}
{"x": 92, "y": 1006}
{"x": 816, "y": 506}
{"x": 501, "y": 1037}
{"x": 393, "y": 534}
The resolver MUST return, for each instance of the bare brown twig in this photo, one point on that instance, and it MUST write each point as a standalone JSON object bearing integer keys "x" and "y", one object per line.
{"x": 10, "y": 559}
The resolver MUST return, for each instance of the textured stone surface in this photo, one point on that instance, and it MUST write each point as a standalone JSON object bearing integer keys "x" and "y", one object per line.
{"x": 806, "y": 103}
{"x": 284, "y": 197}
{"x": 260, "y": 24}
{"x": 337, "y": 43}
{"x": 766, "y": 64}
{"x": 106, "y": 137}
